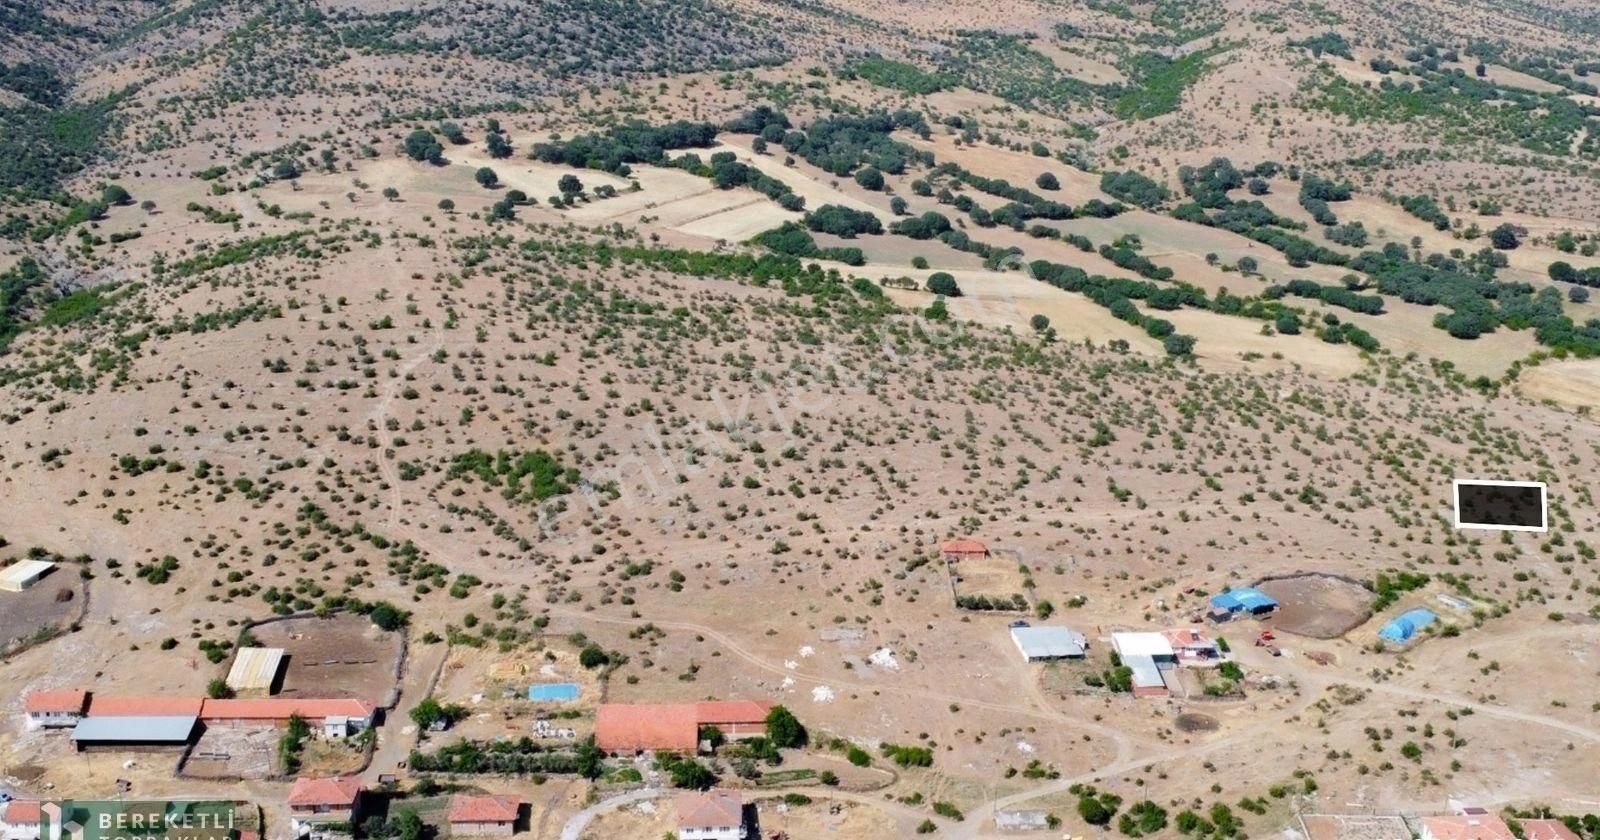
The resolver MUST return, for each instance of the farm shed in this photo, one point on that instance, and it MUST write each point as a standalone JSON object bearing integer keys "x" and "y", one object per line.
{"x": 144, "y": 706}
{"x": 358, "y": 714}
{"x": 134, "y": 733}
{"x": 255, "y": 669}
{"x": 1406, "y": 625}
{"x": 1042, "y": 644}
{"x": 964, "y": 548}
{"x": 645, "y": 727}
{"x": 23, "y": 574}
{"x": 1247, "y": 600}
{"x": 1145, "y": 654}
{"x": 627, "y": 728}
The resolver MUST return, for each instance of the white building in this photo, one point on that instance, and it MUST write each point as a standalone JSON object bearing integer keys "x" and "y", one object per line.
{"x": 23, "y": 574}
{"x": 1042, "y": 644}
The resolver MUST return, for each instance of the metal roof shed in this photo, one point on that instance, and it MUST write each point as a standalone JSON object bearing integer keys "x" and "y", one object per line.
{"x": 1244, "y": 600}
{"x": 23, "y": 574}
{"x": 134, "y": 731}
{"x": 255, "y": 669}
{"x": 1152, "y": 645}
{"x": 1049, "y": 642}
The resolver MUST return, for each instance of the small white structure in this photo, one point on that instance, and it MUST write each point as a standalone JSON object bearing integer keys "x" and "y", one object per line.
{"x": 1042, "y": 644}
{"x": 23, "y": 574}
{"x": 716, "y": 815}
{"x": 336, "y": 727}
{"x": 1021, "y": 820}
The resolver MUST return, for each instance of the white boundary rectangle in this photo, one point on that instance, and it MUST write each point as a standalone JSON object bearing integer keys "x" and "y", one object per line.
{"x": 1544, "y": 504}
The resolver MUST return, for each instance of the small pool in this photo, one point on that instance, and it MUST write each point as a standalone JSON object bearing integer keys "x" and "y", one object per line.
{"x": 553, "y": 691}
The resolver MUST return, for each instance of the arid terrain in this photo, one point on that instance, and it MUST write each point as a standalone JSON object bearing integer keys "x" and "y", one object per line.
{"x": 659, "y": 348}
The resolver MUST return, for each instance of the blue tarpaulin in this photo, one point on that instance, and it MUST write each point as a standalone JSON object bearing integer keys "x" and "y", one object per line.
{"x": 1243, "y": 600}
{"x": 1406, "y": 625}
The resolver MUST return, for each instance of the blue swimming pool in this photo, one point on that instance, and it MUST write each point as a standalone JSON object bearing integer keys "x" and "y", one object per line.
{"x": 553, "y": 691}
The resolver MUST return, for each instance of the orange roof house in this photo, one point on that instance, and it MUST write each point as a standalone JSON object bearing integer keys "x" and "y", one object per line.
{"x": 55, "y": 709}
{"x": 144, "y": 706}
{"x": 963, "y": 548}
{"x": 629, "y": 728}
{"x": 21, "y": 812}
{"x": 324, "y": 796}
{"x": 712, "y": 814}
{"x": 484, "y": 814}
{"x": 1467, "y": 827}
{"x": 1547, "y": 830}
{"x": 722, "y": 713}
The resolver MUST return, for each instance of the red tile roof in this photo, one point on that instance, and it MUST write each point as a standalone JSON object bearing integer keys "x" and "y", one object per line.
{"x": 964, "y": 546}
{"x": 283, "y": 708}
{"x": 622, "y": 727}
{"x": 715, "y": 712}
{"x": 337, "y": 792}
{"x": 144, "y": 706}
{"x": 716, "y": 809}
{"x": 67, "y": 700}
{"x": 1468, "y": 828}
{"x": 484, "y": 809}
{"x": 1547, "y": 830}
{"x": 22, "y": 812}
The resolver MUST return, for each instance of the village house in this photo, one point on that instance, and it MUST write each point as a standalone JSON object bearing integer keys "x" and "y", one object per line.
{"x": 55, "y": 708}
{"x": 1547, "y": 830}
{"x": 714, "y": 815}
{"x": 1466, "y": 827}
{"x": 19, "y": 820}
{"x": 484, "y": 815}
{"x": 1193, "y": 646}
{"x": 316, "y": 804}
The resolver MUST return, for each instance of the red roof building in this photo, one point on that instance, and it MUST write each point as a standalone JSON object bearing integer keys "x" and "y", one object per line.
{"x": 144, "y": 706}
{"x": 646, "y": 727}
{"x": 734, "y": 718}
{"x": 21, "y": 812}
{"x": 965, "y": 548}
{"x": 56, "y": 708}
{"x": 277, "y": 711}
{"x": 1466, "y": 827}
{"x": 491, "y": 815}
{"x": 332, "y": 796}
{"x": 1547, "y": 830}
{"x": 714, "y": 815}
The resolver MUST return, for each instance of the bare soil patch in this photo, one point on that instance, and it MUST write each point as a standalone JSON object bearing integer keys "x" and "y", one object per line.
{"x": 997, "y": 577}
{"x": 27, "y": 613}
{"x": 1318, "y": 606}
{"x": 234, "y": 752}
{"x": 1196, "y": 722}
{"x": 338, "y": 657}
